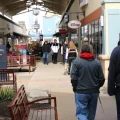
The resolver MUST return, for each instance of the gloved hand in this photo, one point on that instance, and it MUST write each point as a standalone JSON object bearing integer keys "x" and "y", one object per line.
{"x": 74, "y": 89}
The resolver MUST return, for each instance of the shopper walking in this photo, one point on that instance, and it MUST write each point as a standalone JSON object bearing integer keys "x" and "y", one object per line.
{"x": 86, "y": 42}
{"x": 8, "y": 46}
{"x": 46, "y": 50}
{"x": 71, "y": 54}
{"x": 86, "y": 78}
{"x": 55, "y": 48}
{"x": 114, "y": 77}
{"x": 63, "y": 51}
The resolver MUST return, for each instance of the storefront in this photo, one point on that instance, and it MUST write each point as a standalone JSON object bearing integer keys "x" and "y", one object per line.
{"x": 100, "y": 23}
{"x": 93, "y": 31}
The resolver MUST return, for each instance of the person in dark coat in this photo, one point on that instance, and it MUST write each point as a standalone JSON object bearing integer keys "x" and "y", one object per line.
{"x": 46, "y": 50}
{"x": 8, "y": 46}
{"x": 114, "y": 77}
{"x": 63, "y": 51}
{"x": 86, "y": 78}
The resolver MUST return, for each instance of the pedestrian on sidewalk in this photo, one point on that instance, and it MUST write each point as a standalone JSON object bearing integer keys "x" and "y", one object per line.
{"x": 114, "y": 77}
{"x": 86, "y": 78}
{"x": 71, "y": 54}
{"x": 55, "y": 48}
{"x": 46, "y": 50}
{"x": 63, "y": 51}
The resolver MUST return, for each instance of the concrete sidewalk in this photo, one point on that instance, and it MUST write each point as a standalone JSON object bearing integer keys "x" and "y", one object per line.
{"x": 51, "y": 77}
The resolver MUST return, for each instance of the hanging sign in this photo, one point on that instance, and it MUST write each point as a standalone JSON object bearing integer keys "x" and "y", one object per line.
{"x": 74, "y": 24}
{"x": 83, "y": 2}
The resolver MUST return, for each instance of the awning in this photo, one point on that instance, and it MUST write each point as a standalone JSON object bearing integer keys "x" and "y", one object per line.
{"x": 65, "y": 32}
{"x": 61, "y": 32}
{"x": 19, "y": 34}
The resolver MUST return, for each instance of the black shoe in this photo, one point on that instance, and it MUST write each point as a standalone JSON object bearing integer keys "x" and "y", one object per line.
{"x": 68, "y": 73}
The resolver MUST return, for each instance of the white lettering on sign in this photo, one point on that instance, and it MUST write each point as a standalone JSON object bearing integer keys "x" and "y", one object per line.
{"x": 74, "y": 24}
{"x": 83, "y": 2}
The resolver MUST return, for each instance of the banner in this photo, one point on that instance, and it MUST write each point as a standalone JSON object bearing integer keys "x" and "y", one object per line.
{"x": 83, "y": 2}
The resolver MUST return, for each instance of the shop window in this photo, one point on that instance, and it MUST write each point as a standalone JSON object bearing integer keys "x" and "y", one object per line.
{"x": 93, "y": 32}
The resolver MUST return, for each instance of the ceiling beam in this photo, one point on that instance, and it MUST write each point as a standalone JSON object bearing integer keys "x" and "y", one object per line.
{"x": 15, "y": 8}
{"x": 16, "y": 11}
{"x": 9, "y": 4}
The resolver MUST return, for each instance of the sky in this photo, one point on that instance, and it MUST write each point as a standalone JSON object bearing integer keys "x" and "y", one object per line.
{"x": 29, "y": 19}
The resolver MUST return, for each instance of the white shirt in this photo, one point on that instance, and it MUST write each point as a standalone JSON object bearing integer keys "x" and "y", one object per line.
{"x": 55, "y": 48}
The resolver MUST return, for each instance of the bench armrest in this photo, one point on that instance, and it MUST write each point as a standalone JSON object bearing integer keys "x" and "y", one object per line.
{"x": 14, "y": 78}
{"x": 41, "y": 99}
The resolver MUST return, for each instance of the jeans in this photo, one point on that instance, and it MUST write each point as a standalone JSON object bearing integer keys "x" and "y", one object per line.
{"x": 86, "y": 105}
{"x": 45, "y": 57}
{"x": 117, "y": 96}
{"x": 64, "y": 58}
{"x": 70, "y": 60}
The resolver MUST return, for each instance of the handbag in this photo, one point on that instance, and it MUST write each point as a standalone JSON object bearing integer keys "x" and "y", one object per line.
{"x": 66, "y": 66}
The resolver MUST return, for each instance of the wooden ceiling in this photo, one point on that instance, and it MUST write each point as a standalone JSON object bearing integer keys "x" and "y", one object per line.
{"x": 13, "y": 7}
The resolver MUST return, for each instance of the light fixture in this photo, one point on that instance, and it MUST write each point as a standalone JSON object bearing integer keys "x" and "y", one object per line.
{"x": 35, "y": 11}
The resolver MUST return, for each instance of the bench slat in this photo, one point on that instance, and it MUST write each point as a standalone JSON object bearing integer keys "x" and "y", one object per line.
{"x": 45, "y": 114}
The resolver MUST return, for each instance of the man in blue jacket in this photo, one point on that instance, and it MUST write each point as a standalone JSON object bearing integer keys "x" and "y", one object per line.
{"x": 114, "y": 77}
{"x": 86, "y": 78}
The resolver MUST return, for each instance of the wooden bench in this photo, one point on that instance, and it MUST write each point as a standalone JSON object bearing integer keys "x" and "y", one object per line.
{"x": 18, "y": 61}
{"x": 20, "y": 108}
{"x": 8, "y": 77}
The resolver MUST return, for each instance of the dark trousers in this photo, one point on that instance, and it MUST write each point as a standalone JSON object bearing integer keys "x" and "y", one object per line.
{"x": 64, "y": 56}
{"x": 117, "y": 96}
{"x": 55, "y": 57}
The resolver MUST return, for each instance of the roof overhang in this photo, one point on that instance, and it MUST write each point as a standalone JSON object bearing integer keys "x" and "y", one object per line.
{"x": 13, "y": 7}
{"x": 67, "y": 9}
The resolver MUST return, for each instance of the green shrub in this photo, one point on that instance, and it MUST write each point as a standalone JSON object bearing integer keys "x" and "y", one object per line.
{"x": 6, "y": 93}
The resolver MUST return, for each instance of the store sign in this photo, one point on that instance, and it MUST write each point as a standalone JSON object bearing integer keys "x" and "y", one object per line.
{"x": 74, "y": 24}
{"x": 83, "y": 2}
{"x": 36, "y": 26}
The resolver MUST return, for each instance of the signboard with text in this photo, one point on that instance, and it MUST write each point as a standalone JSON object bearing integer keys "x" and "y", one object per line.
{"x": 83, "y": 2}
{"x": 74, "y": 24}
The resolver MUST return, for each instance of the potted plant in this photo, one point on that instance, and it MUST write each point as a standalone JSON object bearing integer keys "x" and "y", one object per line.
{"x": 6, "y": 95}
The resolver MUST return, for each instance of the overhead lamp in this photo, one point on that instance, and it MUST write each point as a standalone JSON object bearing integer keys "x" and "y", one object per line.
{"x": 35, "y": 11}
{"x": 28, "y": 3}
